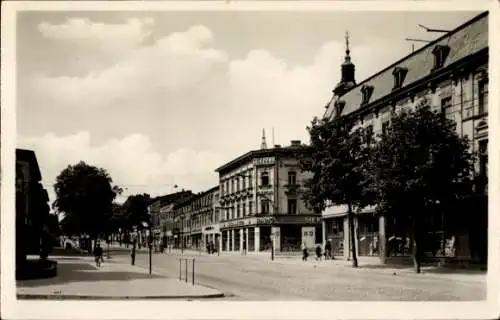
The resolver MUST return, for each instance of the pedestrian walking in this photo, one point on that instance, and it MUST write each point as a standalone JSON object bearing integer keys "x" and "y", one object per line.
{"x": 328, "y": 250}
{"x": 132, "y": 253}
{"x": 318, "y": 252}
{"x": 98, "y": 255}
{"x": 305, "y": 254}
{"x": 244, "y": 247}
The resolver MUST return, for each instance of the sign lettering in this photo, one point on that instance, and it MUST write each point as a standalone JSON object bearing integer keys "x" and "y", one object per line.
{"x": 264, "y": 161}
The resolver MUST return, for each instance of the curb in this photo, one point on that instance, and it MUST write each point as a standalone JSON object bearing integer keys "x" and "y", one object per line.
{"x": 85, "y": 297}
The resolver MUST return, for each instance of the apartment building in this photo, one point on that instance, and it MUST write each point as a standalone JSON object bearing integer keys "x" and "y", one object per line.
{"x": 261, "y": 204}
{"x": 196, "y": 220}
{"x": 452, "y": 74}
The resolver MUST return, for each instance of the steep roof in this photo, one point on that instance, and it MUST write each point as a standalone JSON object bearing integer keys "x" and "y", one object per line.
{"x": 169, "y": 198}
{"x": 186, "y": 201}
{"x": 465, "y": 40}
{"x": 30, "y": 157}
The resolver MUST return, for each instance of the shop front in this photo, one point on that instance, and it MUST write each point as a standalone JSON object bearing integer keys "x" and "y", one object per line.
{"x": 367, "y": 235}
{"x": 334, "y": 233}
{"x": 196, "y": 239}
{"x": 211, "y": 234}
{"x": 255, "y": 234}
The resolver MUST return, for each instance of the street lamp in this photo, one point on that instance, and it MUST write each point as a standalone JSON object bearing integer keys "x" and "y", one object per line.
{"x": 150, "y": 242}
{"x": 182, "y": 234}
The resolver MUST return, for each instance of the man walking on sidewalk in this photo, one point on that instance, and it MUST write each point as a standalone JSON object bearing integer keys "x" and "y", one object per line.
{"x": 132, "y": 253}
{"x": 304, "y": 252}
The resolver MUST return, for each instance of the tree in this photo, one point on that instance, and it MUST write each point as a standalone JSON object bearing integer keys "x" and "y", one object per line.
{"x": 84, "y": 195}
{"x": 419, "y": 164}
{"x": 337, "y": 157}
{"x": 135, "y": 210}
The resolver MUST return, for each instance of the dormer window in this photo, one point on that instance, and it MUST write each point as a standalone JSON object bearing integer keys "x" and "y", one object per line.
{"x": 339, "y": 106}
{"x": 440, "y": 53}
{"x": 366, "y": 91}
{"x": 399, "y": 76}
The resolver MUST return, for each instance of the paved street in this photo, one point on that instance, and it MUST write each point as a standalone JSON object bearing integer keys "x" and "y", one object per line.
{"x": 259, "y": 278}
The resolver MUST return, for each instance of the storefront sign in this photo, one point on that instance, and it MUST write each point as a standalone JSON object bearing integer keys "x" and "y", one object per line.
{"x": 265, "y": 220}
{"x": 298, "y": 219}
{"x": 211, "y": 229}
{"x": 239, "y": 223}
{"x": 264, "y": 161}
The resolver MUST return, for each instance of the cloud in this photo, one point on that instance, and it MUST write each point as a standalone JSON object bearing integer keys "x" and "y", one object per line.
{"x": 133, "y": 31}
{"x": 177, "y": 61}
{"x": 212, "y": 105}
{"x": 132, "y": 162}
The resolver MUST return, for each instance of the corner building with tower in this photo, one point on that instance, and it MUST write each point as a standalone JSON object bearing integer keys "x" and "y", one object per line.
{"x": 261, "y": 203}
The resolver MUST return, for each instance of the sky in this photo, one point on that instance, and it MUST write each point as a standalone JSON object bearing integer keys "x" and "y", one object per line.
{"x": 164, "y": 98}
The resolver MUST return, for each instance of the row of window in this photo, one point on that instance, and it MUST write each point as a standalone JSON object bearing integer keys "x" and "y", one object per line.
{"x": 202, "y": 220}
{"x": 447, "y": 108}
{"x": 240, "y": 211}
{"x": 482, "y": 101}
{"x": 440, "y": 53}
{"x": 234, "y": 185}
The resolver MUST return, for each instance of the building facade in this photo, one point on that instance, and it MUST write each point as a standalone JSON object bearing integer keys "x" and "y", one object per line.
{"x": 32, "y": 216}
{"x": 196, "y": 220}
{"x": 161, "y": 210}
{"x": 451, "y": 73}
{"x": 167, "y": 215}
{"x": 261, "y": 204}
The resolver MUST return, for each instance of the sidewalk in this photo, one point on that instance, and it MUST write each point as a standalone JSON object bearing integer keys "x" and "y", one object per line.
{"x": 373, "y": 265}
{"x": 78, "y": 278}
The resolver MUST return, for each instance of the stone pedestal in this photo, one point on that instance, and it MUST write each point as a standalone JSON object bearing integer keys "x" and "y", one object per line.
{"x": 308, "y": 237}
{"x": 276, "y": 238}
{"x": 246, "y": 238}
{"x": 232, "y": 240}
{"x": 241, "y": 240}
{"x": 347, "y": 239}
{"x": 382, "y": 239}
{"x": 257, "y": 239}
{"x": 323, "y": 234}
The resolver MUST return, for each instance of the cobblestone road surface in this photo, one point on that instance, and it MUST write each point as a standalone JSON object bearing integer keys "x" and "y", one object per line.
{"x": 258, "y": 278}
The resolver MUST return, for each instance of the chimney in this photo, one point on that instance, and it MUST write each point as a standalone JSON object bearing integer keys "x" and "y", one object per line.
{"x": 277, "y": 146}
{"x": 295, "y": 143}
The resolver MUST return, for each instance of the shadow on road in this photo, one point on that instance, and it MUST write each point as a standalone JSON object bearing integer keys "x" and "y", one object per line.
{"x": 80, "y": 272}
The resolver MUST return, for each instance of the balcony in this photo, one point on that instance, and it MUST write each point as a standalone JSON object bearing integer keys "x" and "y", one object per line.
{"x": 265, "y": 186}
{"x": 292, "y": 189}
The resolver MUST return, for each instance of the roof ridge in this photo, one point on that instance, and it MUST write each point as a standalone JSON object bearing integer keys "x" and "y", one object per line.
{"x": 433, "y": 42}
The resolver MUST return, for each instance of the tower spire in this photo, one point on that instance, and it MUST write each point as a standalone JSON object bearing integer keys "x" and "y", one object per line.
{"x": 347, "y": 50}
{"x": 347, "y": 80}
{"x": 263, "y": 144}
